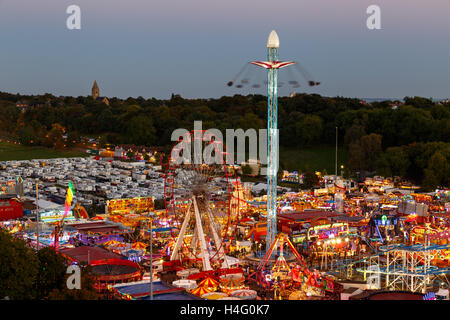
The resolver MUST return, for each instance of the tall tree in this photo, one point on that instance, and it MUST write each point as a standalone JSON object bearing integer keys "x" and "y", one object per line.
{"x": 18, "y": 268}
{"x": 364, "y": 153}
{"x": 52, "y": 271}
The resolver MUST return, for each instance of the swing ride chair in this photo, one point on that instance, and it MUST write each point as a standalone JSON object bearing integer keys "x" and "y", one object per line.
{"x": 246, "y": 76}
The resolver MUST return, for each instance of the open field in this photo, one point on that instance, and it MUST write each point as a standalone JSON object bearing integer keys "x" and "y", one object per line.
{"x": 11, "y": 151}
{"x": 314, "y": 158}
{"x": 306, "y": 159}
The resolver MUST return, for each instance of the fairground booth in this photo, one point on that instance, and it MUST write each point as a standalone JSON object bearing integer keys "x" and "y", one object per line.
{"x": 131, "y": 205}
{"x": 295, "y": 224}
{"x": 98, "y": 232}
{"x": 109, "y": 268}
{"x": 10, "y": 208}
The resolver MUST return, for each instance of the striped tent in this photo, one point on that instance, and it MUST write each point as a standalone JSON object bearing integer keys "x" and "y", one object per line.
{"x": 139, "y": 245}
{"x": 209, "y": 283}
{"x": 200, "y": 291}
{"x": 244, "y": 294}
{"x": 230, "y": 284}
{"x": 111, "y": 243}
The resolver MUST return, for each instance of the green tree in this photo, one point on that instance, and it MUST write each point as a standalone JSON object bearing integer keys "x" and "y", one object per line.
{"x": 309, "y": 129}
{"x": 438, "y": 164}
{"x": 18, "y": 268}
{"x": 55, "y": 136}
{"x": 26, "y": 135}
{"x": 352, "y": 134}
{"x": 52, "y": 271}
{"x": 430, "y": 181}
{"x": 140, "y": 131}
{"x": 356, "y": 156}
{"x": 394, "y": 162}
{"x": 364, "y": 153}
{"x": 73, "y": 137}
{"x": 372, "y": 149}
{"x": 418, "y": 102}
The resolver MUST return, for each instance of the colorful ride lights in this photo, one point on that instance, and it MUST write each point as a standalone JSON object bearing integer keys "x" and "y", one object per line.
{"x": 333, "y": 241}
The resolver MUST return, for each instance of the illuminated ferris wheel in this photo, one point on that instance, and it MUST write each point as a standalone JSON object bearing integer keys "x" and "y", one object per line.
{"x": 199, "y": 202}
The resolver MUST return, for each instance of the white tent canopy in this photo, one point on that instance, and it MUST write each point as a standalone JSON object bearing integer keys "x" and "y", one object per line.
{"x": 186, "y": 284}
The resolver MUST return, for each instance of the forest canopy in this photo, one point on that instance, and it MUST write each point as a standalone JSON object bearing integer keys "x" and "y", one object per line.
{"x": 388, "y": 136}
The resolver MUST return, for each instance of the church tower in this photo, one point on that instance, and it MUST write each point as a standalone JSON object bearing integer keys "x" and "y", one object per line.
{"x": 95, "y": 90}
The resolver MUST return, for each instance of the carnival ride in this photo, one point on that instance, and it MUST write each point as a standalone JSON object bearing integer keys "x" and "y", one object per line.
{"x": 273, "y": 65}
{"x": 111, "y": 271}
{"x": 80, "y": 212}
{"x": 406, "y": 267}
{"x": 383, "y": 227}
{"x": 198, "y": 200}
{"x": 280, "y": 268}
{"x": 60, "y": 225}
{"x": 283, "y": 278}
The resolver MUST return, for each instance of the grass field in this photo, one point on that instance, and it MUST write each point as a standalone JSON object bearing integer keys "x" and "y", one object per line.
{"x": 315, "y": 158}
{"x": 11, "y": 151}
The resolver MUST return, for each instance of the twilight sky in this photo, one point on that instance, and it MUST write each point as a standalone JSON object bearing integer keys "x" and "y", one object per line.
{"x": 193, "y": 47}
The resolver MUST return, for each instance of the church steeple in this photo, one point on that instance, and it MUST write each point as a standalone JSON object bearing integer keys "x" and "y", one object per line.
{"x": 95, "y": 90}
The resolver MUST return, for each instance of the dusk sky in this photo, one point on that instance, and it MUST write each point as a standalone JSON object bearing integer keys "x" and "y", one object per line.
{"x": 155, "y": 48}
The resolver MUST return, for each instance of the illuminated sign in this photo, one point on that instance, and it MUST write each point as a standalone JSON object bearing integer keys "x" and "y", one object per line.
{"x": 125, "y": 206}
{"x": 419, "y": 232}
{"x": 328, "y": 231}
{"x": 56, "y": 215}
{"x": 290, "y": 177}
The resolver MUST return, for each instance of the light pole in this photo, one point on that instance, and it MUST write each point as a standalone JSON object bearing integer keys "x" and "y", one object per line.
{"x": 37, "y": 214}
{"x": 151, "y": 259}
{"x": 342, "y": 171}
{"x": 335, "y": 162}
{"x": 151, "y": 255}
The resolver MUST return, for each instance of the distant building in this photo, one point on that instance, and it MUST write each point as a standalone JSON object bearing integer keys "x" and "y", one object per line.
{"x": 22, "y": 105}
{"x": 96, "y": 94}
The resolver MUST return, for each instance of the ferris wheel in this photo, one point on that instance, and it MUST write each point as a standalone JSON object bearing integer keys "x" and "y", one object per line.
{"x": 200, "y": 204}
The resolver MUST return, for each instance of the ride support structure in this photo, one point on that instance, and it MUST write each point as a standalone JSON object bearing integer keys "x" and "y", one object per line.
{"x": 407, "y": 267}
{"x": 272, "y": 66}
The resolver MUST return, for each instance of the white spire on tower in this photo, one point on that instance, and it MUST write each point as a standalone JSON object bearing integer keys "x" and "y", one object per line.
{"x": 273, "y": 41}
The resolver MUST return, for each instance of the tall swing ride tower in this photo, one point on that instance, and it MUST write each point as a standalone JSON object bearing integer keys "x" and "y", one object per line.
{"x": 272, "y": 66}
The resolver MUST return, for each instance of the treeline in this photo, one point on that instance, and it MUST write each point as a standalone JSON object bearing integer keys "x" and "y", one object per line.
{"x": 367, "y": 131}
